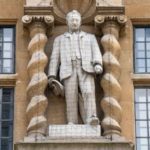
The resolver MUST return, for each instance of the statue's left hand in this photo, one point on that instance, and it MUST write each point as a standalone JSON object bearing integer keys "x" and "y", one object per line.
{"x": 98, "y": 69}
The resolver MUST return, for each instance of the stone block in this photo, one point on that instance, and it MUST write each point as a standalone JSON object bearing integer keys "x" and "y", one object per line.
{"x": 109, "y": 2}
{"x": 74, "y": 131}
{"x": 38, "y": 2}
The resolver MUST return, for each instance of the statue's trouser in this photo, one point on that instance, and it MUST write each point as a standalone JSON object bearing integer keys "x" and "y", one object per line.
{"x": 84, "y": 81}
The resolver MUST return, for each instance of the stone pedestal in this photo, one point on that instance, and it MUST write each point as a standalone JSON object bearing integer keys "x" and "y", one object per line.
{"x": 74, "y": 131}
{"x": 75, "y": 144}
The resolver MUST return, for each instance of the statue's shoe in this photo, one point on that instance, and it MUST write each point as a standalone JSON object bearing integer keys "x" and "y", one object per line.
{"x": 71, "y": 123}
{"x": 93, "y": 121}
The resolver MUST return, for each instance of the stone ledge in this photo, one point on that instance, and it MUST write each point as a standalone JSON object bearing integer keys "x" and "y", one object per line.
{"x": 113, "y": 10}
{"x": 140, "y": 20}
{"x": 75, "y": 144}
{"x": 38, "y": 10}
{"x": 8, "y": 79}
{"x": 38, "y": 2}
{"x": 141, "y": 79}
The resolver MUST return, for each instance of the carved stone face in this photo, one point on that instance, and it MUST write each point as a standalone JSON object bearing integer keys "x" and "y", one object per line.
{"x": 73, "y": 21}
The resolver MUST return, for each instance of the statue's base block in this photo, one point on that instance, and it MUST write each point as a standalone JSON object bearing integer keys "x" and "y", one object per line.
{"x": 75, "y": 144}
{"x": 74, "y": 131}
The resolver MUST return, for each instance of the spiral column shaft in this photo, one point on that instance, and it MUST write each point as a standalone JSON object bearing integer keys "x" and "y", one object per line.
{"x": 110, "y": 84}
{"x": 35, "y": 90}
{"x": 110, "y": 26}
{"x": 37, "y": 122}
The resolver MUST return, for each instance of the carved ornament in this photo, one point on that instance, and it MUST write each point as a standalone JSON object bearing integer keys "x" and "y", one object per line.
{"x": 47, "y": 20}
{"x": 101, "y": 19}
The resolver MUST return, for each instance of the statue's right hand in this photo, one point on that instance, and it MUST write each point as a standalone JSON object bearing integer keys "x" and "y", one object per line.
{"x": 50, "y": 81}
{"x": 56, "y": 86}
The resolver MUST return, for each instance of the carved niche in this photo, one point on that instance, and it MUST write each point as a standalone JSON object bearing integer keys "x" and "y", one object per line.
{"x": 85, "y": 7}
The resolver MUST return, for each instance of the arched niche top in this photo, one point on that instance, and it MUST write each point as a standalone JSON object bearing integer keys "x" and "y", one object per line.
{"x": 85, "y": 7}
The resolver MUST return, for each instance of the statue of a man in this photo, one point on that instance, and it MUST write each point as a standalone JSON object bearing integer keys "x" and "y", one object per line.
{"x": 77, "y": 56}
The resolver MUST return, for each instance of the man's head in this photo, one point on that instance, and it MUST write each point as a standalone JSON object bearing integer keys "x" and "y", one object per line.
{"x": 73, "y": 19}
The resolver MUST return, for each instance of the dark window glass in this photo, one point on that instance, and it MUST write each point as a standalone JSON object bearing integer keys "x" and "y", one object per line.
{"x": 142, "y": 50}
{"x": 6, "y": 144}
{"x": 7, "y": 48}
{"x": 142, "y": 118}
{"x": 6, "y": 119}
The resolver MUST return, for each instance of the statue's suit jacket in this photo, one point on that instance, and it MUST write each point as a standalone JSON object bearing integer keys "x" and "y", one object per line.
{"x": 61, "y": 54}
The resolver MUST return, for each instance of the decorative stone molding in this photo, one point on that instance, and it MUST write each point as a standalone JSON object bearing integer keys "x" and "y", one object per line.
{"x": 46, "y": 21}
{"x": 141, "y": 79}
{"x": 37, "y": 26}
{"x": 75, "y": 144}
{"x": 110, "y": 25}
{"x": 38, "y": 7}
{"x": 39, "y": 2}
{"x": 110, "y": 7}
{"x": 8, "y": 80}
{"x": 101, "y": 20}
{"x": 109, "y": 3}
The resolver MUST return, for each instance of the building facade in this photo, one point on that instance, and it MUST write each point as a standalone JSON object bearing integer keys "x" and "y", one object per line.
{"x": 27, "y": 105}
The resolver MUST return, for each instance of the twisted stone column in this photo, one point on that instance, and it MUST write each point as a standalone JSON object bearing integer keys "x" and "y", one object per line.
{"x": 38, "y": 79}
{"x": 110, "y": 81}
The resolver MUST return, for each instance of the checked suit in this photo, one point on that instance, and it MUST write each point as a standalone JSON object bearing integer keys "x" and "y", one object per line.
{"x": 75, "y": 55}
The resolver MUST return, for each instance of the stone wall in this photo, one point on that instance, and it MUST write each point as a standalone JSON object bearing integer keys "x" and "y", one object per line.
{"x": 11, "y": 13}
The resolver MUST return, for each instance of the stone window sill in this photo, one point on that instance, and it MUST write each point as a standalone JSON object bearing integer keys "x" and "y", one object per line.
{"x": 141, "y": 79}
{"x": 8, "y": 80}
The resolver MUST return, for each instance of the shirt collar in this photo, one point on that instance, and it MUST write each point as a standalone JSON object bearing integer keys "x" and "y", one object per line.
{"x": 68, "y": 34}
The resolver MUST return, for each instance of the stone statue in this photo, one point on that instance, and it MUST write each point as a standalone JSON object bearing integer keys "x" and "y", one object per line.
{"x": 77, "y": 56}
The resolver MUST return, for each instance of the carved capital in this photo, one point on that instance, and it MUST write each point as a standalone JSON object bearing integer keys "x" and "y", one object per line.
{"x": 46, "y": 20}
{"x": 100, "y": 20}
{"x": 110, "y": 24}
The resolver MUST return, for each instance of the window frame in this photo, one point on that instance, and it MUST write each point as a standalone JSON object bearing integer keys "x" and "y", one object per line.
{"x": 10, "y": 119}
{"x": 147, "y": 120}
{"x": 134, "y": 50}
{"x": 13, "y": 49}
